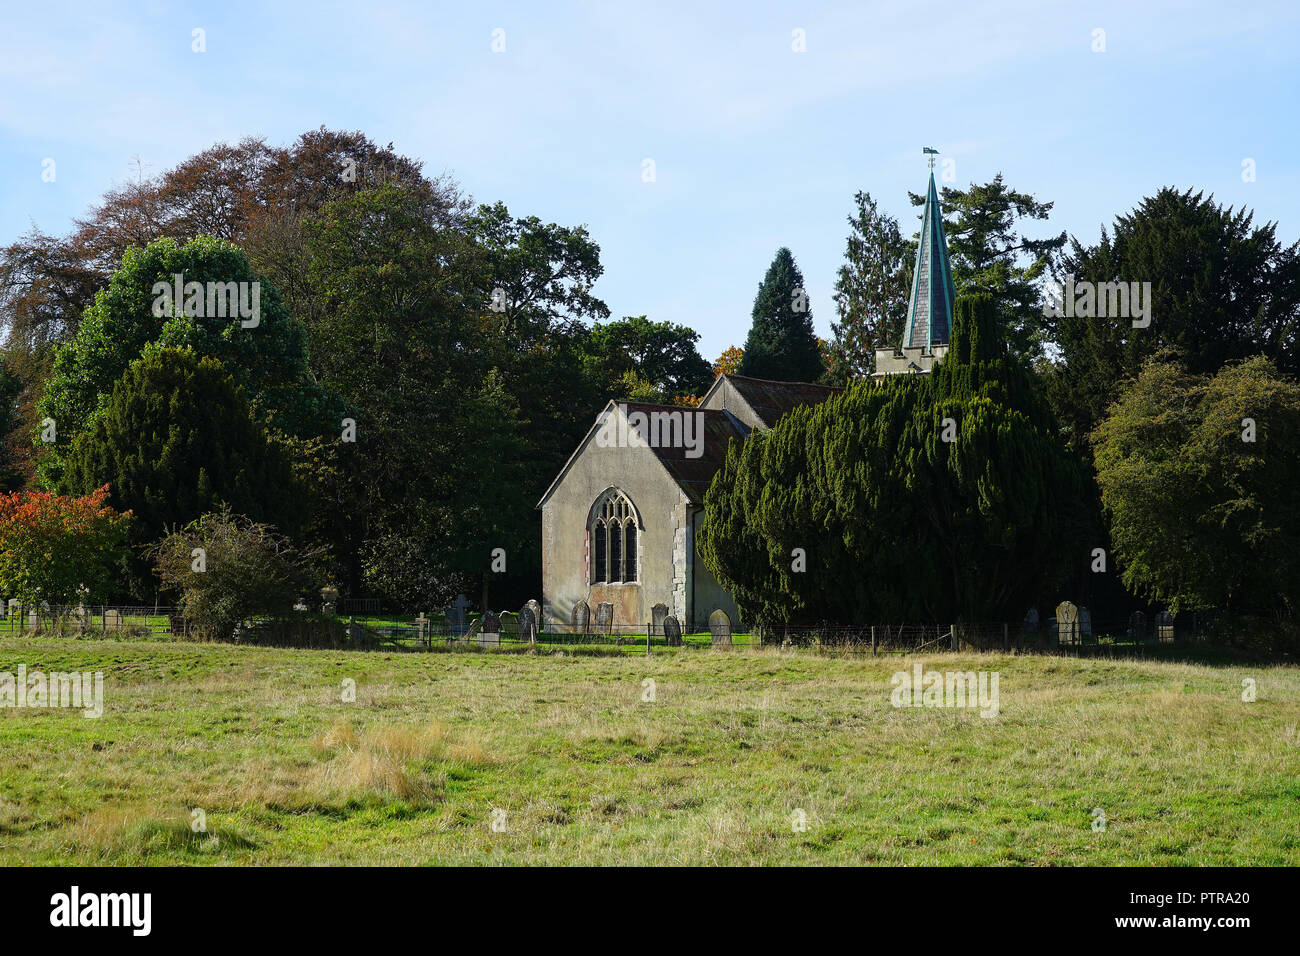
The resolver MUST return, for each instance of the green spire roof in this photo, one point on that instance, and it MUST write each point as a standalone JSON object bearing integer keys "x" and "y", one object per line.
{"x": 929, "y": 308}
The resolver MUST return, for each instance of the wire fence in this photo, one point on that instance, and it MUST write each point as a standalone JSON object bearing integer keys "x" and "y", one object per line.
{"x": 1080, "y": 637}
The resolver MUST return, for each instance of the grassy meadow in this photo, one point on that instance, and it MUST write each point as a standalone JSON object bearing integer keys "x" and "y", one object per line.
{"x": 575, "y": 767}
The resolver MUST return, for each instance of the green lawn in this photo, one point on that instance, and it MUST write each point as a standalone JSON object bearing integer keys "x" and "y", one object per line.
{"x": 586, "y": 772}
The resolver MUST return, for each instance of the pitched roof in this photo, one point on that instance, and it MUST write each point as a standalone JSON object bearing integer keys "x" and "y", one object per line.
{"x": 694, "y": 474}
{"x": 929, "y": 307}
{"x": 770, "y": 400}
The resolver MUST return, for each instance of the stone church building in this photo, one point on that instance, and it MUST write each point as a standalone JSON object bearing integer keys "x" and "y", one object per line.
{"x": 620, "y": 521}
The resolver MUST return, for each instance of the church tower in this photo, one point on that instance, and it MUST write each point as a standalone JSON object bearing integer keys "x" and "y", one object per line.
{"x": 929, "y": 307}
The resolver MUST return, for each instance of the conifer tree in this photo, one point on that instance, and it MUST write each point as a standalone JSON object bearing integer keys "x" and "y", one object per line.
{"x": 781, "y": 343}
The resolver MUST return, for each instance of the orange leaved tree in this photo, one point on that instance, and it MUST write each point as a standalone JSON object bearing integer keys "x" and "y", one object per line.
{"x": 59, "y": 548}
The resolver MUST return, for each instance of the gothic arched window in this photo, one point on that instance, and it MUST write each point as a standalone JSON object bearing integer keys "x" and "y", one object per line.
{"x": 613, "y": 527}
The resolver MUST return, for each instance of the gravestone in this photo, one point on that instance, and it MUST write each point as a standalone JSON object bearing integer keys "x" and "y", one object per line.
{"x": 112, "y": 619}
{"x": 605, "y": 615}
{"x": 422, "y": 623}
{"x": 15, "y": 607}
{"x": 1067, "y": 623}
{"x": 509, "y": 623}
{"x": 658, "y": 614}
{"x": 673, "y": 631}
{"x": 581, "y": 618}
{"x": 4, "y": 608}
{"x": 455, "y": 614}
{"x": 81, "y": 616}
{"x": 1085, "y": 624}
{"x": 33, "y": 620}
{"x": 528, "y": 622}
{"x": 1165, "y": 627}
{"x": 720, "y": 628}
{"x": 1031, "y": 621}
{"x": 1137, "y": 625}
{"x": 355, "y": 631}
{"x": 490, "y": 630}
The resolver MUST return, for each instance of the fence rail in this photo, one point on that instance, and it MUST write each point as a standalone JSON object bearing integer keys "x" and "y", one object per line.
{"x": 1050, "y": 636}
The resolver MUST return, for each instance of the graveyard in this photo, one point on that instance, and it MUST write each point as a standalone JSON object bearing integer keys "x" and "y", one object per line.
{"x": 601, "y": 755}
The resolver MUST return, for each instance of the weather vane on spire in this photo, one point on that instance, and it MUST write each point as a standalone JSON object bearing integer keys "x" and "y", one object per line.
{"x": 931, "y": 153}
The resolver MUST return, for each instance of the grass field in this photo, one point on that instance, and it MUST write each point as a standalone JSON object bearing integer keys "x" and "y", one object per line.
{"x": 586, "y": 772}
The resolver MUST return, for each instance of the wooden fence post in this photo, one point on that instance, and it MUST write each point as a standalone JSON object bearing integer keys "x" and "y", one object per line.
{"x": 873, "y": 640}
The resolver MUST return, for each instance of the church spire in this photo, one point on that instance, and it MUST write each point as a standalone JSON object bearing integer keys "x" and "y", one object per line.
{"x": 929, "y": 308}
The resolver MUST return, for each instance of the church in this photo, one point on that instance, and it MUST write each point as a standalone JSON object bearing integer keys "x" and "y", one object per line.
{"x": 620, "y": 520}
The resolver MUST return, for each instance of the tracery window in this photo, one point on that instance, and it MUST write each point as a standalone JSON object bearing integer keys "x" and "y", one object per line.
{"x": 614, "y": 539}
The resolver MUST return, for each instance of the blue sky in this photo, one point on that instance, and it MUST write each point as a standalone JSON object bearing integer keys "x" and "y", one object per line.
{"x": 755, "y": 145}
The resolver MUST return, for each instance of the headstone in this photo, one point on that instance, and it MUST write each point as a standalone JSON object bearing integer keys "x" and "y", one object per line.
{"x": 528, "y": 622}
{"x": 422, "y": 624}
{"x": 14, "y": 606}
{"x": 355, "y": 631}
{"x": 1067, "y": 623}
{"x": 658, "y": 614}
{"x": 673, "y": 631}
{"x": 1031, "y": 621}
{"x": 581, "y": 618}
{"x": 329, "y": 600}
{"x": 33, "y": 621}
{"x": 45, "y": 607}
{"x": 81, "y": 616}
{"x": 1085, "y": 624}
{"x": 1165, "y": 627}
{"x": 490, "y": 632}
{"x": 1137, "y": 625}
{"x": 605, "y": 616}
{"x": 4, "y": 608}
{"x": 720, "y": 628}
{"x": 455, "y": 614}
{"x": 509, "y": 622}
{"x": 112, "y": 619}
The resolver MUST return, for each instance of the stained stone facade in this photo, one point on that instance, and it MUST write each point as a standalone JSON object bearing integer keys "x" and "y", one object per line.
{"x": 583, "y": 559}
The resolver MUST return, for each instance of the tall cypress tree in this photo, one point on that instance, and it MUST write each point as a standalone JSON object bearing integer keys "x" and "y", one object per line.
{"x": 781, "y": 344}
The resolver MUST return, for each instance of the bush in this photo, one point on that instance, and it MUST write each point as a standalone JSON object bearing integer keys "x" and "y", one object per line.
{"x": 230, "y": 570}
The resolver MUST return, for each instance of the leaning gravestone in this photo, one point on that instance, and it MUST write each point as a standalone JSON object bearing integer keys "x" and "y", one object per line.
{"x": 581, "y": 618}
{"x": 509, "y": 622}
{"x": 1165, "y": 627}
{"x": 1085, "y": 624}
{"x": 720, "y": 628}
{"x": 1137, "y": 625}
{"x": 673, "y": 631}
{"x": 1067, "y": 623}
{"x": 658, "y": 614}
{"x": 605, "y": 615}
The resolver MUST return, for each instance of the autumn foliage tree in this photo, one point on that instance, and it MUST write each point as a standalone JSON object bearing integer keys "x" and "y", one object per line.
{"x": 58, "y": 548}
